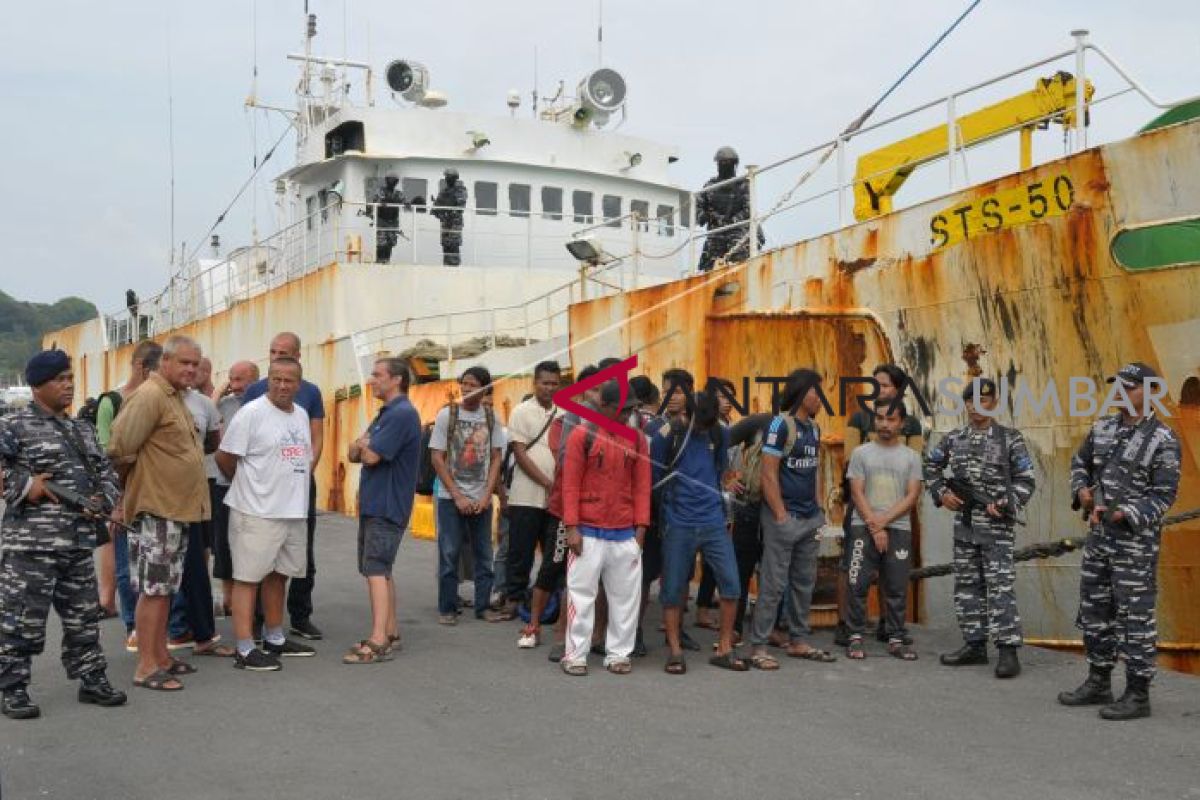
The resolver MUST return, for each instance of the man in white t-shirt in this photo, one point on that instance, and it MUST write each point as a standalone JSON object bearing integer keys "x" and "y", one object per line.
{"x": 267, "y": 454}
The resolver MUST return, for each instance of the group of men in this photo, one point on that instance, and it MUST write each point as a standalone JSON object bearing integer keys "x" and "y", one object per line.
{"x": 448, "y": 206}
{"x": 612, "y": 508}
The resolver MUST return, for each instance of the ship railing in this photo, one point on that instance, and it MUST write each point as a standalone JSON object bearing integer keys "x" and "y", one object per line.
{"x": 342, "y": 231}
{"x": 808, "y": 214}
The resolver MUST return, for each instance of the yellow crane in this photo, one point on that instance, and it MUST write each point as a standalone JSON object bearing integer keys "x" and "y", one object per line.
{"x": 880, "y": 173}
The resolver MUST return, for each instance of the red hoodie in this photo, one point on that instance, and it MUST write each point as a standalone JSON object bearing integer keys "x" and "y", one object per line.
{"x": 610, "y": 488}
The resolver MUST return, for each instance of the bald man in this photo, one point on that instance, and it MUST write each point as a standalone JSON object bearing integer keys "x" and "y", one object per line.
{"x": 299, "y": 600}
{"x": 229, "y": 399}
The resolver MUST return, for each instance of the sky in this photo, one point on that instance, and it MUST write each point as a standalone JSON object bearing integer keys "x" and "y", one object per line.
{"x": 86, "y": 90}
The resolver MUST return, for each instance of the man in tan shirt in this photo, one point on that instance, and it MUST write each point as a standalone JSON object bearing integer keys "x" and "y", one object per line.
{"x": 159, "y": 455}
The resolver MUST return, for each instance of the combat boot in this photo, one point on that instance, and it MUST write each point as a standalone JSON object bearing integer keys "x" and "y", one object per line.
{"x": 1135, "y": 703}
{"x": 969, "y": 654}
{"x": 1007, "y": 665}
{"x": 17, "y": 704}
{"x": 1095, "y": 691}
{"x": 95, "y": 688}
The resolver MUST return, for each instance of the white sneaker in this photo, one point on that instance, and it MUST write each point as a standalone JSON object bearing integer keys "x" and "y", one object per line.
{"x": 527, "y": 641}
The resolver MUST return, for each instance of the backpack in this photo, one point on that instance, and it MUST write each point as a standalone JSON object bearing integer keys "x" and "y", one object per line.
{"x": 752, "y": 459}
{"x": 426, "y": 474}
{"x": 91, "y": 406}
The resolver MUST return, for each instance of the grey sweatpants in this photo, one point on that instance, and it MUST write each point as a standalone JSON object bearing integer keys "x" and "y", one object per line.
{"x": 789, "y": 563}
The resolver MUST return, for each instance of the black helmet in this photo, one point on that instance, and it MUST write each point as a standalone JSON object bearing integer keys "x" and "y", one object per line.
{"x": 726, "y": 153}
{"x": 451, "y": 172}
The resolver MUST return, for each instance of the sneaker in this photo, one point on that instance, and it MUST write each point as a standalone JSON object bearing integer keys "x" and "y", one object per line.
{"x": 131, "y": 643}
{"x": 447, "y": 619}
{"x": 556, "y": 653}
{"x": 289, "y": 649}
{"x": 529, "y": 639}
{"x": 257, "y": 661}
{"x": 181, "y": 642}
{"x": 306, "y": 630}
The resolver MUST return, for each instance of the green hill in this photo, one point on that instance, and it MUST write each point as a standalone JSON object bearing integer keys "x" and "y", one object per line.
{"x": 22, "y": 325}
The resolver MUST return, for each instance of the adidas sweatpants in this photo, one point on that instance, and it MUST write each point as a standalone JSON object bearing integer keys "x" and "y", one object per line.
{"x": 619, "y": 565}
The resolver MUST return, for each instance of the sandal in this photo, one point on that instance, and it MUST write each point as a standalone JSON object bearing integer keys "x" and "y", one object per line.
{"x": 622, "y": 667}
{"x": 675, "y": 665}
{"x": 855, "y": 649}
{"x": 575, "y": 670}
{"x": 764, "y": 661}
{"x": 902, "y": 651}
{"x": 178, "y": 667}
{"x": 367, "y": 652}
{"x": 730, "y": 661}
{"x": 214, "y": 650}
{"x": 813, "y": 654}
{"x": 157, "y": 681}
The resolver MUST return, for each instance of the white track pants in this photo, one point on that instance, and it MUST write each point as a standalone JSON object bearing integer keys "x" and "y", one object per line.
{"x": 619, "y": 565}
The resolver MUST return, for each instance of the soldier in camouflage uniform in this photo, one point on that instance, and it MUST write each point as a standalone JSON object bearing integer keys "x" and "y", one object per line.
{"x": 46, "y": 544}
{"x": 386, "y": 214}
{"x": 984, "y": 474}
{"x": 723, "y": 206}
{"x": 1125, "y": 477}
{"x": 447, "y": 207}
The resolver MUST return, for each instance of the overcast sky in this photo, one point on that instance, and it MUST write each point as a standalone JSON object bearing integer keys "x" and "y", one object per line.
{"x": 84, "y": 93}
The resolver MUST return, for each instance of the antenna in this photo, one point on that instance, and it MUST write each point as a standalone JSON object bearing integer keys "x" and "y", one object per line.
{"x": 171, "y": 140}
{"x": 534, "y": 93}
{"x": 600, "y": 34}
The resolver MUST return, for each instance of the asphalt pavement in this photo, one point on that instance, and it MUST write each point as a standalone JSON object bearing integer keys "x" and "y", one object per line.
{"x": 462, "y": 713}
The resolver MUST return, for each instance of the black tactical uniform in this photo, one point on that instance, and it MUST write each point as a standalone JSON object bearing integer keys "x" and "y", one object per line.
{"x": 386, "y": 213}
{"x": 723, "y": 206}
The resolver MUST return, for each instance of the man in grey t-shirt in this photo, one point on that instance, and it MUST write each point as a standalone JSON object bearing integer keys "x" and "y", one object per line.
{"x": 466, "y": 444}
{"x": 885, "y": 484}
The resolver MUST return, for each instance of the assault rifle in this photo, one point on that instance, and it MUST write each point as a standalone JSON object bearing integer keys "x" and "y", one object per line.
{"x": 89, "y": 506}
{"x": 972, "y": 497}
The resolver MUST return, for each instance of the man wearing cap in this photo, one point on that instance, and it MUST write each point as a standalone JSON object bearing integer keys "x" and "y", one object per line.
{"x": 46, "y": 542}
{"x": 606, "y": 527}
{"x": 983, "y": 473}
{"x": 447, "y": 207}
{"x": 1125, "y": 476}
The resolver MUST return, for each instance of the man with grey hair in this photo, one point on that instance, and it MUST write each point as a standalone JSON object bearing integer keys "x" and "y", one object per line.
{"x": 308, "y": 397}
{"x": 390, "y": 454}
{"x": 158, "y": 454}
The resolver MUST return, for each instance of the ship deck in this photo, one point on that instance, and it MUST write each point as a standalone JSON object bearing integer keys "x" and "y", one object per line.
{"x": 463, "y": 713}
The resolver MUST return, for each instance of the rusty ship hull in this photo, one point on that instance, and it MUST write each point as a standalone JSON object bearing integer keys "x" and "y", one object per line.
{"x": 1038, "y": 297}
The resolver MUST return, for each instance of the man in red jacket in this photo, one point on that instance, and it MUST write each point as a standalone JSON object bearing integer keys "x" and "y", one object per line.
{"x": 606, "y": 508}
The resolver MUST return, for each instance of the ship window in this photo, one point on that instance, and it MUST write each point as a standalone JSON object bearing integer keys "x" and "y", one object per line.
{"x": 642, "y": 209}
{"x": 1167, "y": 244}
{"x": 414, "y": 192}
{"x": 310, "y": 210}
{"x": 666, "y": 220}
{"x": 486, "y": 198}
{"x": 518, "y": 199}
{"x": 581, "y": 202}
{"x": 610, "y": 206}
{"x": 551, "y": 202}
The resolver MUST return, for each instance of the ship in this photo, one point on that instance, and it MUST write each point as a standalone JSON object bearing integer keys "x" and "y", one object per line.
{"x": 1056, "y": 271}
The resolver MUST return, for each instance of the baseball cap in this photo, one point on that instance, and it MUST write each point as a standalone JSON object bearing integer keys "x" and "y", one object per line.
{"x": 1134, "y": 373}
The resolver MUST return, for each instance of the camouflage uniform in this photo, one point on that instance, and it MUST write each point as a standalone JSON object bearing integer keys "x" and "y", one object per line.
{"x": 1134, "y": 468}
{"x": 996, "y": 464}
{"x": 447, "y": 200}
{"x": 46, "y": 549}
{"x": 718, "y": 208}
{"x": 387, "y": 221}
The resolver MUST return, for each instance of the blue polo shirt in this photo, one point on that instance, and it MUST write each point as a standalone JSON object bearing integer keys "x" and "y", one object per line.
{"x": 798, "y": 467}
{"x": 387, "y": 488}
{"x": 308, "y": 397}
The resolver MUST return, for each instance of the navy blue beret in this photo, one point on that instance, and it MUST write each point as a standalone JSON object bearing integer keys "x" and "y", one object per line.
{"x": 45, "y": 366}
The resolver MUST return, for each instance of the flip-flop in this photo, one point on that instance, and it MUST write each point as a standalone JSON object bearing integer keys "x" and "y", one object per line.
{"x": 157, "y": 681}
{"x": 902, "y": 651}
{"x": 619, "y": 667}
{"x": 214, "y": 650}
{"x": 675, "y": 665}
{"x": 855, "y": 650}
{"x": 367, "y": 652}
{"x": 730, "y": 661}
{"x": 178, "y": 667}
{"x": 814, "y": 654}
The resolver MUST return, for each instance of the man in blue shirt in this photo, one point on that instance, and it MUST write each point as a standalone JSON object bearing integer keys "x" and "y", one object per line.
{"x": 299, "y": 600}
{"x": 390, "y": 453}
{"x": 791, "y": 518}
{"x": 689, "y": 461}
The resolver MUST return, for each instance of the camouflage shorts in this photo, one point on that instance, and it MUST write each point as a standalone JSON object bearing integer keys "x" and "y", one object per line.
{"x": 156, "y": 550}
